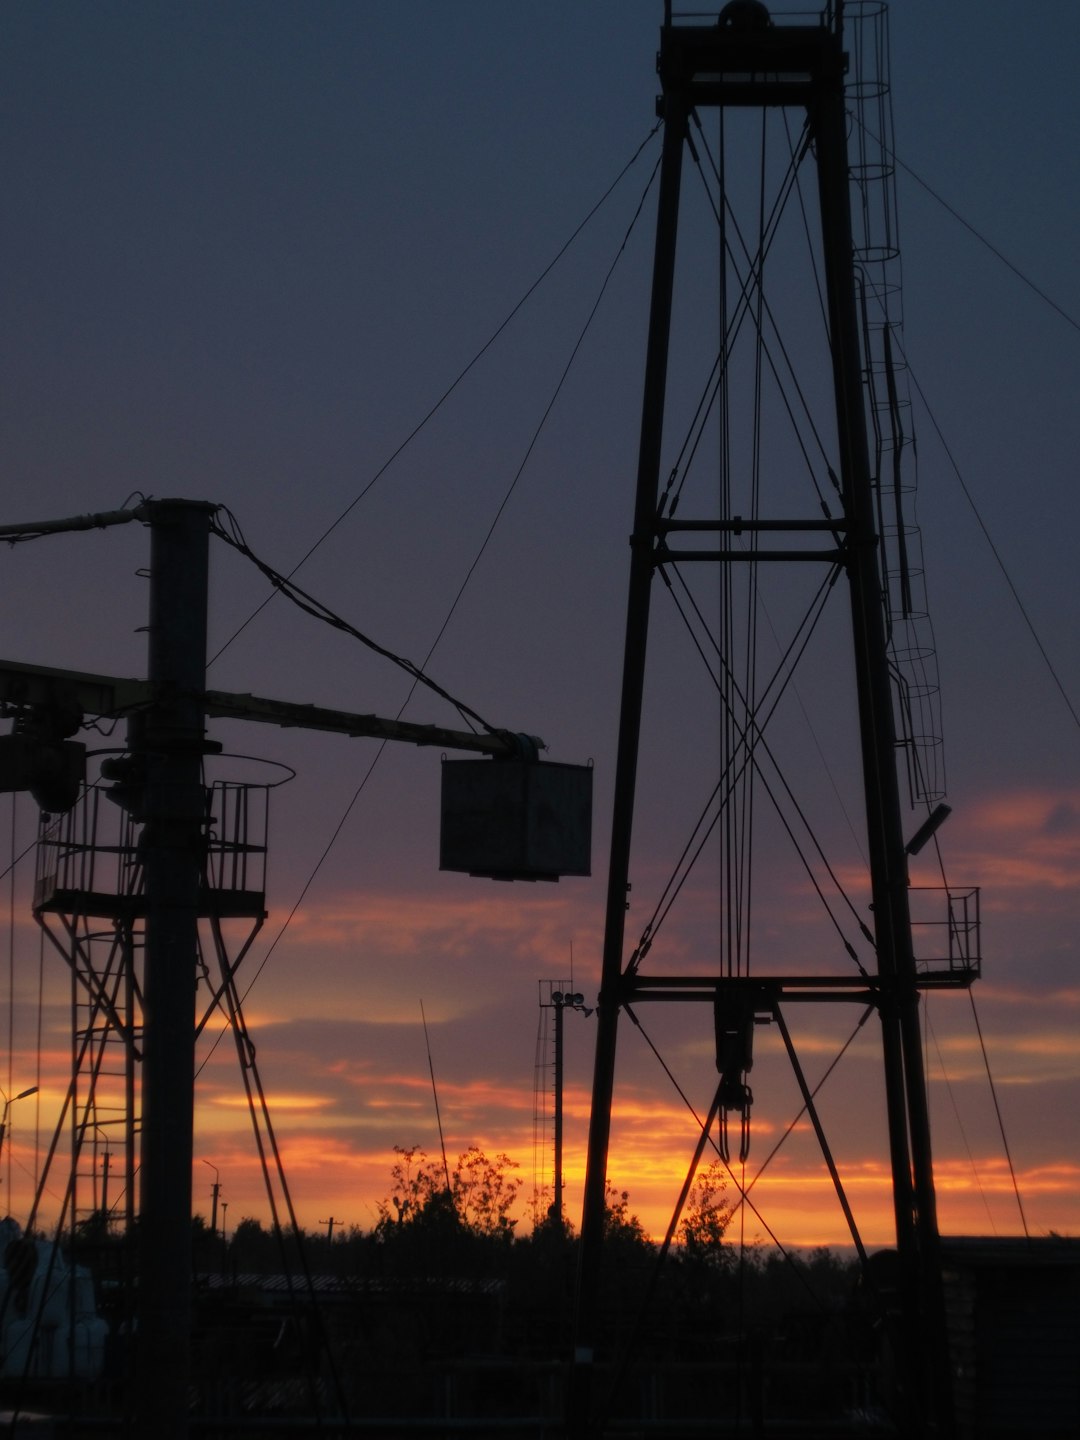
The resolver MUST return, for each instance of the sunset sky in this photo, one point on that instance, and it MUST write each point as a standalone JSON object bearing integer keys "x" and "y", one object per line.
{"x": 246, "y": 249}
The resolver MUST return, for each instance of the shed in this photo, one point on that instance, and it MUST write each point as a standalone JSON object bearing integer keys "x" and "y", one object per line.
{"x": 1014, "y": 1331}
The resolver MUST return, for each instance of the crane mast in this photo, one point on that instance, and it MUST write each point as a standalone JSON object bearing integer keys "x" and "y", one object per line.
{"x": 179, "y": 873}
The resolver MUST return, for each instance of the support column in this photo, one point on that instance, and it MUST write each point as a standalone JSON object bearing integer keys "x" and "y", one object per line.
{"x": 557, "y": 1198}
{"x": 905, "y": 1081}
{"x": 173, "y": 853}
{"x": 642, "y": 544}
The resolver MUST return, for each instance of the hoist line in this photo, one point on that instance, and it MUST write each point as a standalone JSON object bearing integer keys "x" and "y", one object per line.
{"x": 763, "y": 247}
{"x": 785, "y": 1254}
{"x": 744, "y": 1202}
{"x": 729, "y": 727}
{"x": 677, "y": 880}
{"x": 848, "y": 947}
{"x": 750, "y": 668}
{"x": 653, "y": 924}
{"x": 989, "y": 540}
{"x": 450, "y": 388}
{"x": 813, "y": 1095}
{"x": 810, "y": 622}
{"x": 731, "y": 331}
{"x": 790, "y": 182}
{"x": 419, "y": 672}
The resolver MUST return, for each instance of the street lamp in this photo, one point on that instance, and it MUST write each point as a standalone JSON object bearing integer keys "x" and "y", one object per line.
{"x": 562, "y": 1000}
{"x": 216, "y": 1191}
{"x": 224, "y": 1237}
{"x": 7, "y": 1106}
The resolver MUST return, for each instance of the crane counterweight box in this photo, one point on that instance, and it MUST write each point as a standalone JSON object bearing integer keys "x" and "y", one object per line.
{"x": 516, "y": 819}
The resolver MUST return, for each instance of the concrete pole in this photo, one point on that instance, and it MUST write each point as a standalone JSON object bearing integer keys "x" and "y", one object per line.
{"x": 173, "y": 852}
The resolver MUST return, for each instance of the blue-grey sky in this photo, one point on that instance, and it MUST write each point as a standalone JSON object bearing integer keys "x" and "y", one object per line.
{"x": 247, "y": 247}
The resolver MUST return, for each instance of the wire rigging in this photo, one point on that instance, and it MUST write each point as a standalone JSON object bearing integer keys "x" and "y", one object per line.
{"x": 1000, "y": 1118}
{"x": 751, "y": 301}
{"x": 472, "y": 363}
{"x": 757, "y": 725}
{"x": 418, "y": 672}
{"x": 1024, "y": 278}
{"x": 547, "y": 410}
{"x": 306, "y": 602}
{"x": 1058, "y": 682}
{"x": 932, "y": 1035}
{"x": 744, "y": 1194}
{"x": 769, "y": 233}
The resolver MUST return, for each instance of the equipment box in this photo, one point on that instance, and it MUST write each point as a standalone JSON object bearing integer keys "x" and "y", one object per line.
{"x": 516, "y": 819}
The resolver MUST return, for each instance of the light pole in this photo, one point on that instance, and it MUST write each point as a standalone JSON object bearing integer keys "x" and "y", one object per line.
{"x": 33, "y": 1090}
{"x": 215, "y": 1192}
{"x": 106, "y": 1160}
{"x": 562, "y": 1000}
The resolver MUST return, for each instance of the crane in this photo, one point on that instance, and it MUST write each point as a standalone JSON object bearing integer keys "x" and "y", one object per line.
{"x": 543, "y": 830}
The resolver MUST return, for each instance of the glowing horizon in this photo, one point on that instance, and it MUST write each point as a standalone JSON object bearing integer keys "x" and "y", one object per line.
{"x": 237, "y": 282}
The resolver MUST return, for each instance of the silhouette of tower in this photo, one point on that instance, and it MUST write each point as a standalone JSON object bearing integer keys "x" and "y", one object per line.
{"x": 792, "y": 462}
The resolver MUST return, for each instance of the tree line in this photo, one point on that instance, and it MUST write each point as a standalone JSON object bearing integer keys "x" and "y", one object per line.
{"x": 471, "y": 1204}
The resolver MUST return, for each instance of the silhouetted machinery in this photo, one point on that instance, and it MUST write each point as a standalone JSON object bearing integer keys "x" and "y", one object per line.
{"x": 516, "y": 819}
{"x": 129, "y": 883}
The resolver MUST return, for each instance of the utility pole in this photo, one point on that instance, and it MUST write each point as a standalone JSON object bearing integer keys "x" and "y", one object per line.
{"x": 215, "y": 1191}
{"x": 106, "y": 1160}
